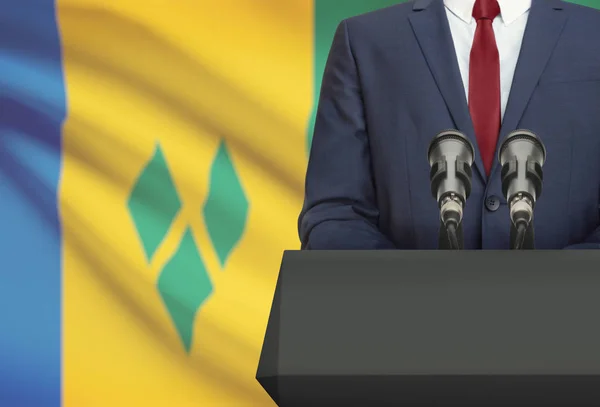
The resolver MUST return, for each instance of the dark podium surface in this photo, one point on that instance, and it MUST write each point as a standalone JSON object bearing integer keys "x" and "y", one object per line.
{"x": 435, "y": 328}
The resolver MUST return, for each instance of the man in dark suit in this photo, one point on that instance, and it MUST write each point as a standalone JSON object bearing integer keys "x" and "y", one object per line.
{"x": 398, "y": 76}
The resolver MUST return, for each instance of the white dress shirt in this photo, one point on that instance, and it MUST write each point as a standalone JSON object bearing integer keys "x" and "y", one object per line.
{"x": 509, "y": 28}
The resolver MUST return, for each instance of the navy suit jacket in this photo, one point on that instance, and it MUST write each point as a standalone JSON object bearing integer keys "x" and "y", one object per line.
{"x": 392, "y": 83}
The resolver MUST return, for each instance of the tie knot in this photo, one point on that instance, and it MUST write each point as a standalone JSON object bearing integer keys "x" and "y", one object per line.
{"x": 486, "y": 9}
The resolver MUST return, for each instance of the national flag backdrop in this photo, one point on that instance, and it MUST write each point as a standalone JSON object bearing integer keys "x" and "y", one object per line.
{"x": 152, "y": 159}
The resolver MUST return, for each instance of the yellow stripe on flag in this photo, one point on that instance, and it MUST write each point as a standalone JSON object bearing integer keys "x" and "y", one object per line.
{"x": 191, "y": 91}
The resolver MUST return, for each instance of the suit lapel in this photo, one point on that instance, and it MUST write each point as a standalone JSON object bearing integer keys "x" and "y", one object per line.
{"x": 544, "y": 27}
{"x": 430, "y": 25}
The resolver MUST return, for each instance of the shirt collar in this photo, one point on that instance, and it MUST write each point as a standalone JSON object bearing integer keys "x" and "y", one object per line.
{"x": 510, "y": 10}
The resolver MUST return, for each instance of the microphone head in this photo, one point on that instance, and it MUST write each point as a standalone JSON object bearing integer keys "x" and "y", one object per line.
{"x": 451, "y": 143}
{"x": 450, "y": 156}
{"x": 522, "y": 155}
{"x": 522, "y": 144}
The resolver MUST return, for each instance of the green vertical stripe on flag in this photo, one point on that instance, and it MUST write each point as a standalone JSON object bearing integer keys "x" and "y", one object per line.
{"x": 589, "y": 3}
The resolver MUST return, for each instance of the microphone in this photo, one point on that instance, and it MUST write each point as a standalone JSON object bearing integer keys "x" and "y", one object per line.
{"x": 450, "y": 156}
{"x": 522, "y": 155}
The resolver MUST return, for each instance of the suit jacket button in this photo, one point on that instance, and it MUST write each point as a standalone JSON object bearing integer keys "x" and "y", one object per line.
{"x": 492, "y": 203}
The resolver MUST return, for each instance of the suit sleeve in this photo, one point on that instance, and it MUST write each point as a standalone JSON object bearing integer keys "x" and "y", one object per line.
{"x": 591, "y": 242}
{"x": 340, "y": 211}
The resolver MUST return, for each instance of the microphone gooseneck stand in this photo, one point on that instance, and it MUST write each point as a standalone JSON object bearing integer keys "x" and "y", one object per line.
{"x": 522, "y": 237}
{"x": 451, "y": 237}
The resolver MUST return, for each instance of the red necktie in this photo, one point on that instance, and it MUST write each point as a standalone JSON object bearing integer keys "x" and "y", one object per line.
{"x": 484, "y": 81}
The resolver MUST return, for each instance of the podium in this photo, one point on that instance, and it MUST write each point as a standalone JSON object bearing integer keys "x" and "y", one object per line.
{"x": 434, "y": 328}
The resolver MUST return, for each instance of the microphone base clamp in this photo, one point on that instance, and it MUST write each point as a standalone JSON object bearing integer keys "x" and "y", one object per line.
{"x": 451, "y": 209}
